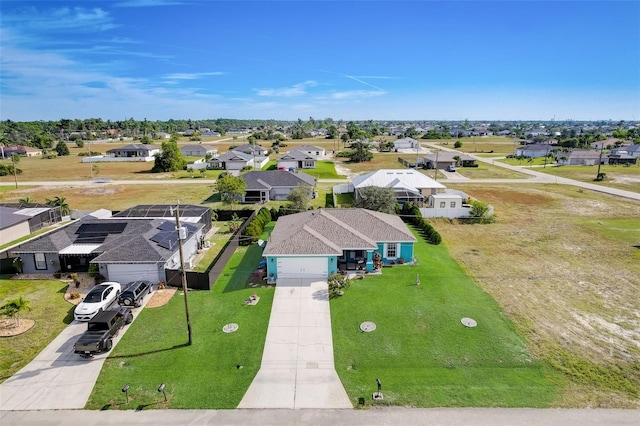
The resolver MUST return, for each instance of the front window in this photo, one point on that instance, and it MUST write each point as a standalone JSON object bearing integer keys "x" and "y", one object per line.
{"x": 453, "y": 204}
{"x": 392, "y": 250}
{"x": 41, "y": 261}
{"x": 443, "y": 204}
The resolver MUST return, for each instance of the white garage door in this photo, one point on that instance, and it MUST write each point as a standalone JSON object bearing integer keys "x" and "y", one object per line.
{"x": 126, "y": 273}
{"x": 307, "y": 267}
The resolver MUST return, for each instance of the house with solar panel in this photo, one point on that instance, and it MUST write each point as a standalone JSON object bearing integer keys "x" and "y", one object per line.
{"x": 139, "y": 243}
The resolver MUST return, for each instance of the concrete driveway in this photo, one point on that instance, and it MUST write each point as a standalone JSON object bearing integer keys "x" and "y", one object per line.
{"x": 297, "y": 369}
{"x": 57, "y": 378}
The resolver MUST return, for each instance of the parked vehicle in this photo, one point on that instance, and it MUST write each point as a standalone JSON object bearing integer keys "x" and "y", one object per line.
{"x": 100, "y": 332}
{"x": 134, "y": 293}
{"x": 451, "y": 168}
{"x": 98, "y": 299}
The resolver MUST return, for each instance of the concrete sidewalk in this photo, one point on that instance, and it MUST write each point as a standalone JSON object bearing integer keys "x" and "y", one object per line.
{"x": 297, "y": 369}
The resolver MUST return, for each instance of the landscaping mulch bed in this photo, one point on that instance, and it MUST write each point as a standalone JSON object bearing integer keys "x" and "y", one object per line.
{"x": 161, "y": 297}
{"x": 8, "y": 327}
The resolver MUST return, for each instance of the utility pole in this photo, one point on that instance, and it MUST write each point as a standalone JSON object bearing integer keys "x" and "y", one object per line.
{"x": 182, "y": 234}
{"x": 599, "y": 162}
{"x": 15, "y": 172}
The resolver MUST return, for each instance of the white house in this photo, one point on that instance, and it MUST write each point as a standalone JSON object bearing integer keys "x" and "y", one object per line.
{"x": 235, "y": 160}
{"x": 295, "y": 159}
{"x": 409, "y": 185}
{"x": 313, "y": 151}
{"x": 406, "y": 143}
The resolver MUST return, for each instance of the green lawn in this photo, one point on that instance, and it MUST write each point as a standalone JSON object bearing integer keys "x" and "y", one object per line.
{"x": 203, "y": 375}
{"x": 421, "y": 352}
{"x": 621, "y": 177}
{"x": 50, "y": 311}
{"x": 324, "y": 170}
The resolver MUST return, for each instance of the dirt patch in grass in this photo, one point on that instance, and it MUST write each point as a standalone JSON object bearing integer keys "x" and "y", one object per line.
{"x": 574, "y": 292}
{"x": 161, "y": 297}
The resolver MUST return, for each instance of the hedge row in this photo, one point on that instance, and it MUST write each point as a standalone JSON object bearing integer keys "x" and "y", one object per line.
{"x": 255, "y": 228}
{"x": 411, "y": 213}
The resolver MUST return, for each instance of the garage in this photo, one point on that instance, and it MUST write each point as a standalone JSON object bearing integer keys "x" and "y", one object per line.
{"x": 307, "y": 267}
{"x": 125, "y": 273}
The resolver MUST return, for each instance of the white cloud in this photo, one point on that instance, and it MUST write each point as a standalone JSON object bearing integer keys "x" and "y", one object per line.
{"x": 287, "y": 92}
{"x": 148, "y": 3}
{"x": 191, "y": 76}
{"x": 353, "y": 94}
{"x": 78, "y": 19}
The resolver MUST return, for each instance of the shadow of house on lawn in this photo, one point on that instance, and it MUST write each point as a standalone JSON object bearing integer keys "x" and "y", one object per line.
{"x": 240, "y": 274}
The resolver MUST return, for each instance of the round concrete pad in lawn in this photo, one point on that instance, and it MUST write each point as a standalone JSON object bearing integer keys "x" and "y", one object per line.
{"x": 468, "y": 322}
{"x": 230, "y": 328}
{"x": 367, "y": 326}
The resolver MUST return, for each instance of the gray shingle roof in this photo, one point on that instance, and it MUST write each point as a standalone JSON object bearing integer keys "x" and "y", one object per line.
{"x": 133, "y": 244}
{"x": 296, "y": 155}
{"x": 9, "y": 217}
{"x": 330, "y": 231}
{"x": 268, "y": 179}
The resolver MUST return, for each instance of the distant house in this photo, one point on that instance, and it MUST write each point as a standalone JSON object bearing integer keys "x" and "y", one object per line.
{"x": 533, "y": 150}
{"x": 622, "y": 159}
{"x": 504, "y": 133}
{"x": 313, "y": 151}
{"x": 263, "y": 186}
{"x": 22, "y": 150}
{"x": 408, "y": 185}
{"x": 19, "y": 220}
{"x": 134, "y": 152}
{"x": 406, "y": 143}
{"x": 236, "y": 160}
{"x": 295, "y": 159}
{"x": 256, "y": 150}
{"x": 606, "y": 143}
{"x": 210, "y": 133}
{"x": 443, "y": 159}
{"x": 581, "y": 157}
{"x": 630, "y": 150}
{"x": 198, "y": 150}
{"x": 163, "y": 135}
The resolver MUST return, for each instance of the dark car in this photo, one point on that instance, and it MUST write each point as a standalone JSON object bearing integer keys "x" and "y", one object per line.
{"x": 101, "y": 330}
{"x": 134, "y": 292}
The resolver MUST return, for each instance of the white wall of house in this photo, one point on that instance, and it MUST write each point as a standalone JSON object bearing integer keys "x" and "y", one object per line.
{"x": 291, "y": 164}
{"x": 106, "y": 159}
{"x": 14, "y": 232}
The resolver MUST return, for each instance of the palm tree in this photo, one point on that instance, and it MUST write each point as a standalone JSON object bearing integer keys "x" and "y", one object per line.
{"x": 61, "y": 202}
{"x": 27, "y": 200}
{"x": 14, "y": 307}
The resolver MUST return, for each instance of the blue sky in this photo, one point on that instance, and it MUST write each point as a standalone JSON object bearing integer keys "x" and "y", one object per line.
{"x": 354, "y": 60}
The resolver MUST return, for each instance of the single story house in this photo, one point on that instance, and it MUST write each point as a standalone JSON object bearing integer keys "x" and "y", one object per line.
{"x": 406, "y": 143}
{"x": 443, "y": 159}
{"x": 263, "y": 186}
{"x": 622, "y": 159}
{"x": 255, "y": 150}
{"x": 295, "y": 159}
{"x": 311, "y": 150}
{"x": 136, "y": 244}
{"x": 318, "y": 243}
{"x": 134, "y": 151}
{"x": 25, "y": 151}
{"x": 198, "y": 150}
{"x": 581, "y": 157}
{"x": 631, "y": 150}
{"x": 236, "y": 160}
{"x": 19, "y": 220}
{"x": 409, "y": 185}
{"x": 533, "y": 150}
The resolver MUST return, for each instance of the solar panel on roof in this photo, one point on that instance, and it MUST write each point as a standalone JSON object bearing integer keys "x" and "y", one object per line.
{"x": 101, "y": 228}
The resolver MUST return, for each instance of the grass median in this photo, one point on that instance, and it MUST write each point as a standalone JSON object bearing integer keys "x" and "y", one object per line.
{"x": 205, "y": 374}
{"x": 420, "y": 350}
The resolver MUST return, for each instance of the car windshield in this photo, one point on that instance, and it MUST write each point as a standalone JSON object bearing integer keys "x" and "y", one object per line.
{"x": 94, "y": 296}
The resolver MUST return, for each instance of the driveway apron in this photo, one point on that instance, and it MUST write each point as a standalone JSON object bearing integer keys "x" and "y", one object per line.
{"x": 297, "y": 369}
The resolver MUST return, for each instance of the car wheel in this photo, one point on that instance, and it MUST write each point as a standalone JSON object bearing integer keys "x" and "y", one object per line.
{"x": 108, "y": 345}
{"x": 129, "y": 319}
{"x": 127, "y": 301}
